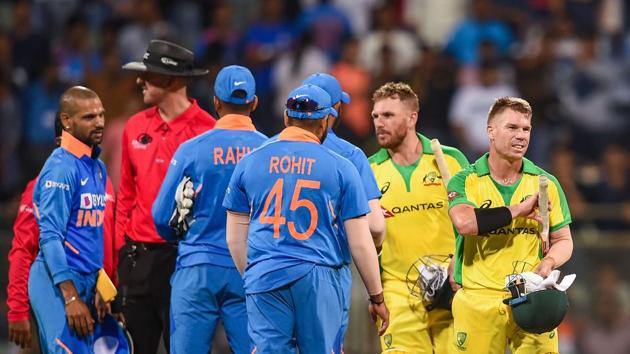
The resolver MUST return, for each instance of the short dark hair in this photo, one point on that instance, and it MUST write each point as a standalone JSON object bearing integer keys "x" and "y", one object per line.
{"x": 66, "y": 102}
{"x": 243, "y": 109}
{"x": 58, "y": 126}
{"x": 308, "y": 124}
{"x": 514, "y": 103}
{"x": 399, "y": 90}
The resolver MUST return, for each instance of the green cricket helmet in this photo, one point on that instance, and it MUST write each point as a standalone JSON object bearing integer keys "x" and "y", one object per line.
{"x": 540, "y": 311}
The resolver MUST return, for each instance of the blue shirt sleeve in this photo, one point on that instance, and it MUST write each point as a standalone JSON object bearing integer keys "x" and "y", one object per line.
{"x": 164, "y": 204}
{"x": 366, "y": 174}
{"x": 56, "y": 186}
{"x": 235, "y": 196}
{"x": 353, "y": 200}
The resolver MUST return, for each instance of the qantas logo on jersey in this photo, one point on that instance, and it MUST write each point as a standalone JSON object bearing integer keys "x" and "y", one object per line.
{"x": 417, "y": 207}
{"x": 386, "y": 213}
{"x": 55, "y": 184}
{"x": 512, "y": 231}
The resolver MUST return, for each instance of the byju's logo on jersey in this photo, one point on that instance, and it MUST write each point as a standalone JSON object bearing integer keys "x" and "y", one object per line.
{"x": 54, "y": 184}
{"x": 432, "y": 179}
{"x": 92, "y": 201}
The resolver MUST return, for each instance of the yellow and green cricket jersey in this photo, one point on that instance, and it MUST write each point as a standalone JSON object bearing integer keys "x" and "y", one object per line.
{"x": 483, "y": 262}
{"x": 416, "y": 206}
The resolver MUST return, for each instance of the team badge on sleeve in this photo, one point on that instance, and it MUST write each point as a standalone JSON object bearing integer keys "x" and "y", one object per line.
{"x": 452, "y": 195}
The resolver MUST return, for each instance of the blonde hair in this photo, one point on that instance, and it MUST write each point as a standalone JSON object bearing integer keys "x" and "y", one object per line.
{"x": 399, "y": 90}
{"x": 514, "y": 103}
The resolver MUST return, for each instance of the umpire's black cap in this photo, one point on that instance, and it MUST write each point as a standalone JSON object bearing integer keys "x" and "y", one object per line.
{"x": 166, "y": 58}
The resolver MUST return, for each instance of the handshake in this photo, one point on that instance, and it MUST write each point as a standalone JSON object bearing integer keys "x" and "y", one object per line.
{"x": 184, "y": 200}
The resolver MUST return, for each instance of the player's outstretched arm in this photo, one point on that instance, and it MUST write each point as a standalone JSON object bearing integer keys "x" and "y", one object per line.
{"x": 559, "y": 252}
{"x": 470, "y": 221}
{"x": 236, "y": 229}
{"x": 376, "y": 221}
{"x": 364, "y": 255}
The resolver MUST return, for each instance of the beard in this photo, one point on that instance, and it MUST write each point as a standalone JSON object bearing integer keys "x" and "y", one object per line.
{"x": 392, "y": 141}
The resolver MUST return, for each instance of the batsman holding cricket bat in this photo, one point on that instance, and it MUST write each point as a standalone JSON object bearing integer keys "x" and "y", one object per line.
{"x": 414, "y": 201}
{"x": 494, "y": 206}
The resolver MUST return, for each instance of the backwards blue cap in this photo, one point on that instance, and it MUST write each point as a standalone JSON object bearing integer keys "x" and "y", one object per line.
{"x": 330, "y": 84}
{"x": 235, "y": 84}
{"x": 309, "y": 102}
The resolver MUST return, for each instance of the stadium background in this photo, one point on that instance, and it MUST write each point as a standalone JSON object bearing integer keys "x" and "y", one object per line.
{"x": 569, "y": 58}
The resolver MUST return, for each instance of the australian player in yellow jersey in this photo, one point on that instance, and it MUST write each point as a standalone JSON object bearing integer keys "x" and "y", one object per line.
{"x": 493, "y": 205}
{"x": 415, "y": 203}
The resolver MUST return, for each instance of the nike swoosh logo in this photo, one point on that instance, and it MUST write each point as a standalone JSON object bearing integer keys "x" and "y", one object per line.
{"x": 238, "y": 83}
{"x": 298, "y": 96}
{"x": 84, "y": 181}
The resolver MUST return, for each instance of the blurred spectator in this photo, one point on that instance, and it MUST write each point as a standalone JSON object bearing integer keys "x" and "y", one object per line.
{"x": 563, "y": 166}
{"x": 469, "y": 109}
{"x": 614, "y": 188}
{"x": 359, "y": 13}
{"x": 266, "y": 39}
{"x": 434, "y": 81}
{"x": 434, "y": 21}
{"x": 147, "y": 24}
{"x": 328, "y": 25}
{"x": 30, "y": 48}
{"x": 218, "y": 42}
{"x": 481, "y": 26}
{"x": 40, "y": 102}
{"x": 72, "y": 51}
{"x": 185, "y": 16}
{"x": 355, "y": 124}
{"x": 607, "y": 329}
{"x": 388, "y": 48}
{"x": 11, "y": 178}
{"x": 292, "y": 68}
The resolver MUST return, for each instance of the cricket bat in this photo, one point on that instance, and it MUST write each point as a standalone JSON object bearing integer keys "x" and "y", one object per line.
{"x": 441, "y": 162}
{"x": 543, "y": 209}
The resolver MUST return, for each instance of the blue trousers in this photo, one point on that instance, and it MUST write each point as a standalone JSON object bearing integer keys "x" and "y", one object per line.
{"x": 346, "y": 285}
{"x": 304, "y": 314}
{"x": 49, "y": 308}
{"x": 200, "y": 296}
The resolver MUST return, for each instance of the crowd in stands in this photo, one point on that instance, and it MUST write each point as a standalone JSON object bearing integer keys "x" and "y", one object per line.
{"x": 569, "y": 58}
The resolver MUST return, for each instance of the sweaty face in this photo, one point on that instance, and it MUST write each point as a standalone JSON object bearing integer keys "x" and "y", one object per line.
{"x": 153, "y": 87}
{"x": 509, "y": 134}
{"x": 88, "y": 122}
{"x": 392, "y": 119}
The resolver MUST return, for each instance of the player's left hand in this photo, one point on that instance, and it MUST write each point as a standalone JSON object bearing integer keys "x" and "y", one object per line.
{"x": 451, "y": 278}
{"x": 102, "y": 307}
{"x": 545, "y": 267}
{"x": 379, "y": 311}
{"x": 20, "y": 333}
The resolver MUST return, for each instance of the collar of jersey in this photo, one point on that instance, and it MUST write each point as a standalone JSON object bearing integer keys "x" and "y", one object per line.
{"x": 482, "y": 167}
{"x": 74, "y": 146}
{"x": 235, "y": 122}
{"x": 178, "y": 123}
{"x": 382, "y": 155}
{"x": 298, "y": 134}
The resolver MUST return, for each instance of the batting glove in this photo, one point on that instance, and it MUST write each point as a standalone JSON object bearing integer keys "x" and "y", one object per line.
{"x": 184, "y": 200}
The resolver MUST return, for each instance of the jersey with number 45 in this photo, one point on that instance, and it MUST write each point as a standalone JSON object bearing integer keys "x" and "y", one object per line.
{"x": 295, "y": 191}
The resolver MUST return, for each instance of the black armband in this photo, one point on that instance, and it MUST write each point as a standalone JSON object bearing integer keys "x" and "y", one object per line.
{"x": 490, "y": 219}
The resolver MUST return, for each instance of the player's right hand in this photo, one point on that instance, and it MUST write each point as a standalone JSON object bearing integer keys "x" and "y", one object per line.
{"x": 20, "y": 333}
{"x": 379, "y": 311}
{"x": 79, "y": 318}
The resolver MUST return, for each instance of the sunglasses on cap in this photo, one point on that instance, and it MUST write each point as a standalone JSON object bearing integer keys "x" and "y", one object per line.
{"x": 303, "y": 105}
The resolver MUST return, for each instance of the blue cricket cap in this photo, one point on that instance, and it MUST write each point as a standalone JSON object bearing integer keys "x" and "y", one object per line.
{"x": 235, "y": 84}
{"x": 309, "y": 102}
{"x": 331, "y": 85}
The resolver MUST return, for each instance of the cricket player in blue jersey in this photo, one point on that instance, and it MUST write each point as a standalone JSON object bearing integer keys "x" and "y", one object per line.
{"x": 284, "y": 201}
{"x": 375, "y": 217}
{"x": 206, "y": 286}
{"x": 69, "y": 201}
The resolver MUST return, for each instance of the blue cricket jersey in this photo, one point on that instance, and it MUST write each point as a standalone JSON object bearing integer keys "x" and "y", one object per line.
{"x": 295, "y": 191}
{"x": 209, "y": 160}
{"x": 69, "y": 200}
